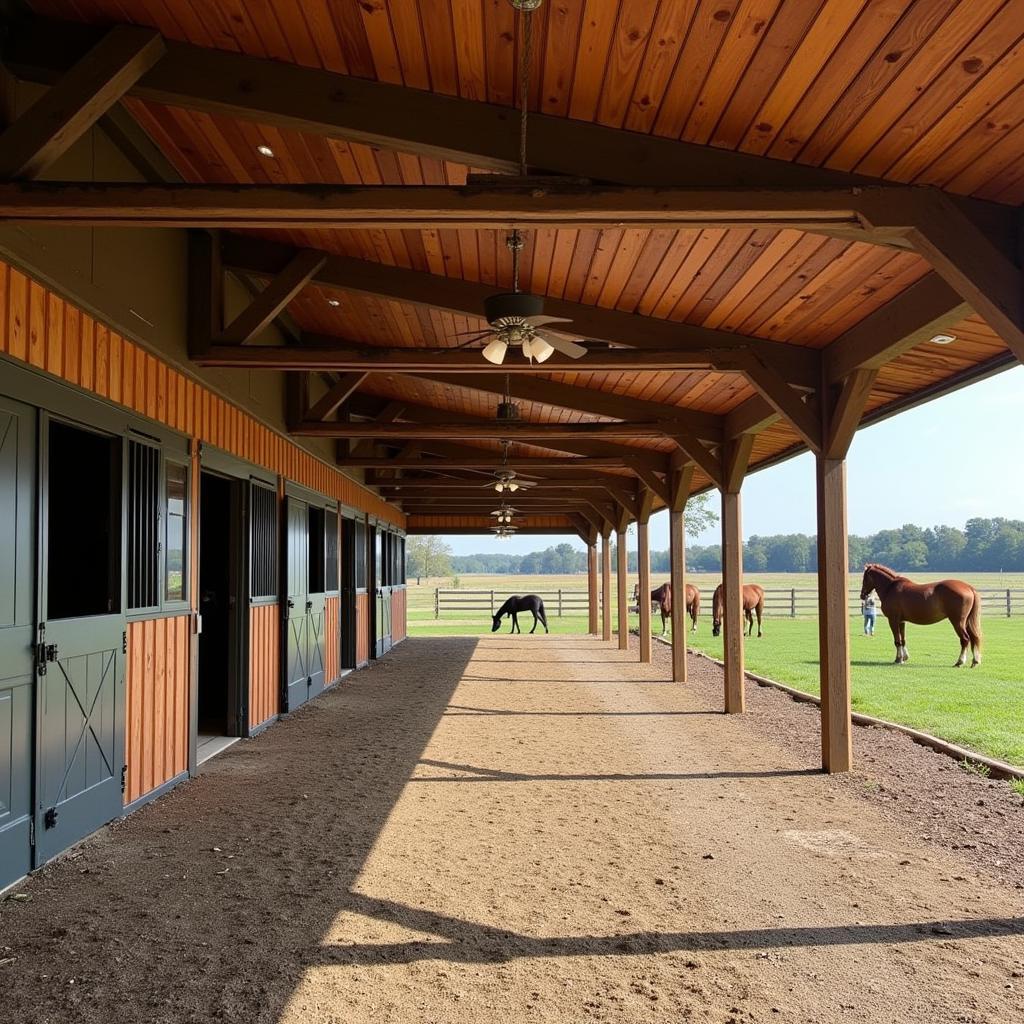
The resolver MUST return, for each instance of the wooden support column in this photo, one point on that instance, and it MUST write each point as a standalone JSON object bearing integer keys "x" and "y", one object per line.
{"x": 606, "y": 584}
{"x": 643, "y": 563}
{"x": 833, "y": 616}
{"x": 735, "y": 457}
{"x": 621, "y": 580}
{"x": 680, "y": 481}
{"x": 592, "y": 580}
{"x": 843, "y": 409}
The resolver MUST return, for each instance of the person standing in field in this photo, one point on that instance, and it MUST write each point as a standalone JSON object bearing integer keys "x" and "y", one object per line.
{"x": 868, "y": 608}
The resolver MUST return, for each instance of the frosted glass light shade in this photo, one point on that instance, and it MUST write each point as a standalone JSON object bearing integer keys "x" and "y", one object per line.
{"x": 541, "y": 350}
{"x": 495, "y": 351}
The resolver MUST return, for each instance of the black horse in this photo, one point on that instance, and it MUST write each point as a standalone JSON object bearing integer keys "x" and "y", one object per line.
{"x": 530, "y": 603}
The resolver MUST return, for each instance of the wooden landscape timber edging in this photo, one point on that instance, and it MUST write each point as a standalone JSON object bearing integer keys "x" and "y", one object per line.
{"x": 997, "y": 769}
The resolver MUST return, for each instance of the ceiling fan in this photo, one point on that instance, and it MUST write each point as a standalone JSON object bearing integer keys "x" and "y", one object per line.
{"x": 504, "y": 515}
{"x": 505, "y": 479}
{"x": 517, "y": 319}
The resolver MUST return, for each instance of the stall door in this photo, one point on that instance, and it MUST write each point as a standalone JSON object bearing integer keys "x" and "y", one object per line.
{"x": 316, "y": 600}
{"x": 298, "y": 677}
{"x": 382, "y": 616}
{"x": 17, "y": 615}
{"x": 80, "y": 696}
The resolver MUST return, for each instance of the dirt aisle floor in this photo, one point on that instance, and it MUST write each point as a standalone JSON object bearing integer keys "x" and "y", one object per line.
{"x": 513, "y": 829}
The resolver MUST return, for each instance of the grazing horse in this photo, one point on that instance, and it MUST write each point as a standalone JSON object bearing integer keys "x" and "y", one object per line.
{"x": 530, "y": 603}
{"x": 753, "y": 603}
{"x": 924, "y": 604}
{"x": 662, "y": 597}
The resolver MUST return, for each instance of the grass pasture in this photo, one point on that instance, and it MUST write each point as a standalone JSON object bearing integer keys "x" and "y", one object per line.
{"x": 982, "y": 708}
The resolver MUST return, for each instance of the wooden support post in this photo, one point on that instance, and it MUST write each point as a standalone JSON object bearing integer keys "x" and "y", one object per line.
{"x": 645, "y": 499}
{"x": 592, "y": 626}
{"x": 680, "y": 481}
{"x": 606, "y": 585}
{"x": 735, "y": 456}
{"x": 732, "y": 612}
{"x": 621, "y": 580}
{"x": 833, "y": 616}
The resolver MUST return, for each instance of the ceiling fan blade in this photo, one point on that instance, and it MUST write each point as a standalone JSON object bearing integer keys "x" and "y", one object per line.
{"x": 542, "y": 319}
{"x": 563, "y": 345}
{"x": 472, "y": 341}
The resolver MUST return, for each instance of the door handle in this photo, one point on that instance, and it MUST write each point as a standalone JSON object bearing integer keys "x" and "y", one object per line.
{"x": 309, "y": 606}
{"x": 291, "y": 603}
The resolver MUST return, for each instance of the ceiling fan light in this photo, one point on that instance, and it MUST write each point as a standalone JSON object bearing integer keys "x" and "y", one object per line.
{"x": 500, "y": 486}
{"x": 528, "y": 349}
{"x": 494, "y": 351}
{"x": 513, "y": 486}
{"x": 541, "y": 350}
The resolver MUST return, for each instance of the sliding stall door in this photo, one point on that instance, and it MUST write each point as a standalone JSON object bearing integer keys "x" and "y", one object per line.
{"x": 81, "y": 693}
{"x": 298, "y": 679}
{"x": 17, "y": 625}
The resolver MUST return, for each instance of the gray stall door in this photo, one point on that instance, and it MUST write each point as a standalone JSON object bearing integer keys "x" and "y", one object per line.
{"x": 17, "y": 622}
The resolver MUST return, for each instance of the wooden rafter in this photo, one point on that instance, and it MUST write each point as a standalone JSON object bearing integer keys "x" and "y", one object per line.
{"x": 81, "y": 96}
{"x": 776, "y": 391}
{"x": 121, "y": 204}
{"x": 582, "y": 464}
{"x": 470, "y": 429}
{"x": 336, "y": 396}
{"x": 477, "y": 134}
{"x": 275, "y": 297}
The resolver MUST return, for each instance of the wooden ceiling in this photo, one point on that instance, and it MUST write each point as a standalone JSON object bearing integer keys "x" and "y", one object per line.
{"x": 923, "y": 92}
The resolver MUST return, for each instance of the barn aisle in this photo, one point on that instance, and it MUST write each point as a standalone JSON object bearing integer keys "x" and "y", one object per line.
{"x": 525, "y": 828}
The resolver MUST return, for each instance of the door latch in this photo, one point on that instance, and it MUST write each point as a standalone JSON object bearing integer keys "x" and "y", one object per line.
{"x": 50, "y": 818}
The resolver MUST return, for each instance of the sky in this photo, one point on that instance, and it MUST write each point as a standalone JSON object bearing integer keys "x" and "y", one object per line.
{"x": 942, "y": 463}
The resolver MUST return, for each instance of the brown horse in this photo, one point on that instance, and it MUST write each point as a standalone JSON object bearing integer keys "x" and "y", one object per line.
{"x": 753, "y": 603}
{"x": 662, "y": 597}
{"x": 924, "y": 604}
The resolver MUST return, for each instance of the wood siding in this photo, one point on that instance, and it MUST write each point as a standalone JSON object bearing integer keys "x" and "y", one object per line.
{"x": 264, "y": 663}
{"x": 332, "y": 640}
{"x": 399, "y": 622}
{"x": 41, "y": 329}
{"x": 362, "y": 628}
{"x": 157, "y": 724}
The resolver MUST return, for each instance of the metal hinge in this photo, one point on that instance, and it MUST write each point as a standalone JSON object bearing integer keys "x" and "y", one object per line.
{"x": 124, "y": 775}
{"x": 31, "y": 831}
{"x": 124, "y": 642}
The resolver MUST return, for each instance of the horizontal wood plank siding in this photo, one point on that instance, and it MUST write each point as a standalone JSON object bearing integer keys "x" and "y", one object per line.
{"x": 156, "y": 747}
{"x": 362, "y": 628}
{"x": 264, "y": 663}
{"x": 332, "y": 640}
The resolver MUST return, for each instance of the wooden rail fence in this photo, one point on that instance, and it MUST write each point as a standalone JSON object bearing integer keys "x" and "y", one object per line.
{"x": 792, "y": 602}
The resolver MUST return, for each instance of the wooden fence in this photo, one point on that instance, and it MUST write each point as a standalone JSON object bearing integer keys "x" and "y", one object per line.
{"x": 793, "y": 603}
{"x": 558, "y": 602}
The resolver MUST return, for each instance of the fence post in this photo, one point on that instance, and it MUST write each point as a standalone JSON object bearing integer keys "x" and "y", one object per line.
{"x": 437, "y": 602}
{"x": 559, "y": 602}
{"x": 792, "y": 603}
{"x": 1009, "y": 603}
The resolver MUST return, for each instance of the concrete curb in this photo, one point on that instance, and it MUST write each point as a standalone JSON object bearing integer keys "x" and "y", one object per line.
{"x": 997, "y": 769}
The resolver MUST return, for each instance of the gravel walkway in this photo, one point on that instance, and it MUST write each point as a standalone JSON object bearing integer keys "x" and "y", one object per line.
{"x": 519, "y": 828}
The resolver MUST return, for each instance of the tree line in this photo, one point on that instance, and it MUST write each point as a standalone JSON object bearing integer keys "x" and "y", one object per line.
{"x": 983, "y": 545}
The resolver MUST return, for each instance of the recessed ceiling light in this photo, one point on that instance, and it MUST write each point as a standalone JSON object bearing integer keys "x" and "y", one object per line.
{"x": 333, "y": 302}
{"x": 264, "y": 151}
{"x": 943, "y": 339}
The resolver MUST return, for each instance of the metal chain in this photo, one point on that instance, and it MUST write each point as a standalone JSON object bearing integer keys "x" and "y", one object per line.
{"x": 524, "y": 87}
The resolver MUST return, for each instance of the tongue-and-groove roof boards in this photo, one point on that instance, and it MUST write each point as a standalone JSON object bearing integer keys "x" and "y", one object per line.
{"x": 835, "y": 184}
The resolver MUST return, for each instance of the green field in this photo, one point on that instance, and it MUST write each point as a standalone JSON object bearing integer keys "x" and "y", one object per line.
{"x": 981, "y": 708}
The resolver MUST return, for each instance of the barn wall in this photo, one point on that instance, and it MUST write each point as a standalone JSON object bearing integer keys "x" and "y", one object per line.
{"x": 332, "y": 640}
{"x": 264, "y": 663}
{"x": 362, "y": 628}
{"x": 53, "y": 335}
{"x": 399, "y": 614}
{"x": 157, "y": 725}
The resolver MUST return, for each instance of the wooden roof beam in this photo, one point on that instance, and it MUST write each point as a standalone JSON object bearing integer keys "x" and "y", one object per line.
{"x": 582, "y": 464}
{"x": 481, "y": 135}
{"x": 455, "y": 429}
{"x": 336, "y": 396}
{"x": 83, "y": 93}
{"x": 258, "y": 257}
